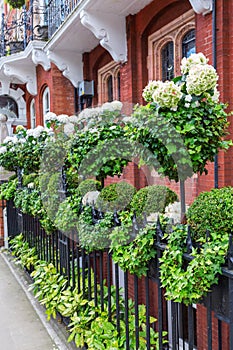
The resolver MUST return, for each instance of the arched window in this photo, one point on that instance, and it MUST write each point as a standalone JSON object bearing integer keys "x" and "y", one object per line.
{"x": 188, "y": 44}
{"x": 109, "y": 83}
{"x": 168, "y": 45}
{"x": 119, "y": 86}
{"x": 32, "y": 114}
{"x": 110, "y": 88}
{"x": 46, "y": 101}
{"x": 167, "y": 59}
{"x": 9, "y": 106}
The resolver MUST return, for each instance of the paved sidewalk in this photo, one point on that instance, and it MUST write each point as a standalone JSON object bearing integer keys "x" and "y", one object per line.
{"x": 23, "y": 324}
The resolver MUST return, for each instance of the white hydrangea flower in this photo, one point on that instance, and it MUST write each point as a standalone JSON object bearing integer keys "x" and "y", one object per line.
{"x": 149, "y": 90}
{"x": 37, "y": 131}
{"x": 117, "y": 105}
{"x": 188, "y": 98}
{"x": 167, "y": 95}
{"x": 8, "y": 139}
{"x": 107, "y": 106}
{"x": 69, "y": 129}
{"x": 29, "y": 132}
{"x": 3, "y": 149}
{"x": 193, "y": 60}
{"x": 73, "y": 119}
{"x": 173, "y": 212}
{"x": 50, "y": 116}
{"x": 187, "y": 105}
{"x": 63, "y": 118}
{"x": 201, "y": 78}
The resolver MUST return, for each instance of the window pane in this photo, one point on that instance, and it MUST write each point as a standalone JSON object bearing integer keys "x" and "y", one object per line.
{"x": 110, "y": 89}
{"x": 188, "y": 44}
{"x": 119, "y": 86}
{"x": 168, "y": 61}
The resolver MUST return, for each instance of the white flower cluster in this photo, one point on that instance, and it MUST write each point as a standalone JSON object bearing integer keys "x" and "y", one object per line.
{"x": 149, "y": 90}
{"x": 193, "y": 60}
{"x": 201, "y": 78}
{"x": 61, "y": 118}
{"x": 36, "y": 132}
{"x": 168, "y": 95}
{"x": 173, "y": 212}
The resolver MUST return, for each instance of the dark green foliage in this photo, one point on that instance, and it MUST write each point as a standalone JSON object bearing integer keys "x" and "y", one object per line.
{"x": 212, "y": 211}
{"x": 152, "y": 199}
{"x": 116, "y": 196}
{"x": 87, "y": 186}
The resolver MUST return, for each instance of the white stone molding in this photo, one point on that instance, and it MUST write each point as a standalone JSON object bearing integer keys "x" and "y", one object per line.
{"x": 201, "y": 6}
{"x": 110, "y": 29}
{"x": 70, "y": 63}
{"x": 5, "y": 85}
{"x": 40, "y": 57}
{"x": 17, "y": 95}
{"x": 24, "y": 73}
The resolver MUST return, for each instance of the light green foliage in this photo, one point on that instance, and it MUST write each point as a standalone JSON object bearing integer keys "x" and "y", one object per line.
{"x": 189, "y": 281}
{"x": 94, "y": 236}
{"x": 133, "y": 253}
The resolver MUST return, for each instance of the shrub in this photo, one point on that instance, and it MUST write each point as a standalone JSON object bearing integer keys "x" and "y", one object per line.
{"x": 152, "y": 199}
{"x": 116, "y": 196}
{"x": 212, "y": 211}
{"x": 88, "y": 185}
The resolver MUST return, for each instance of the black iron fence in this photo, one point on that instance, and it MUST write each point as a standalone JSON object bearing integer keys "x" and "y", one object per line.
{"x": 208, "y": 325}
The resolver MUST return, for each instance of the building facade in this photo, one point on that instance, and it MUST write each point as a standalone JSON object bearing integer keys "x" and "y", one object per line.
{"x": 87, "y": 52}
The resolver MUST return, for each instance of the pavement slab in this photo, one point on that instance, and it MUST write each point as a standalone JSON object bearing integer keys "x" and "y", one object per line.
{"x": 23, "y": 324}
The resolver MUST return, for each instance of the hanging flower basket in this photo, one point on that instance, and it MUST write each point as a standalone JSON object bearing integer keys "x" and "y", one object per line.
{"x": 16, "y": 4}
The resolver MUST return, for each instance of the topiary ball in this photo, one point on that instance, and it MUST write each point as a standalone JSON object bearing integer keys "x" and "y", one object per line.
{"x": 212, "y": 211}
{"x": 152, "y": 199}
{"x": 88, "y": 185}
{"x": 116, "y": 196}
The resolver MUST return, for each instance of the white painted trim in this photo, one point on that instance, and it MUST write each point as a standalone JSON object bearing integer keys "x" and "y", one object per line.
{"x": 201, "y": 6}
{"x": 110, "y": 29}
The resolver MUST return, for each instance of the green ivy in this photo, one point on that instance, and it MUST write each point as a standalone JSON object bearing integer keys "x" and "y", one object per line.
{"x": 188, "y": 281}
{"x": 133, "y": 253}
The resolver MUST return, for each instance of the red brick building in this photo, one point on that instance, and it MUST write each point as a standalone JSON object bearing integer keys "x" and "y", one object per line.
{"x": 118, "y": 47}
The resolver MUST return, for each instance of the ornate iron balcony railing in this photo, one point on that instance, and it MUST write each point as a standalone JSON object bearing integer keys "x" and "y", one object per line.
{"x": 58, "y": 11}
{"x": 38, "y": 22}
{"x": 19, "y": 27}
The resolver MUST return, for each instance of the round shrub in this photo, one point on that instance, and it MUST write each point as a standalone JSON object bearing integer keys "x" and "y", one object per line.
{"x": 116, "y": 196}
{"x": 212, "y": 211}
{"x": 152, "y": 199}
{"x": 88, "y": 185}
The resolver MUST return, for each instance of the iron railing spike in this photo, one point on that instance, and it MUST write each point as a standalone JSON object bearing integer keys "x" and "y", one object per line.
{"x": 189, "y": 243}
{"x": 159, "y": 230}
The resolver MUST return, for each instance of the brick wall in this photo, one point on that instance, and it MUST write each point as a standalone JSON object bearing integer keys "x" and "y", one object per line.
{"x": 62, "y": 93}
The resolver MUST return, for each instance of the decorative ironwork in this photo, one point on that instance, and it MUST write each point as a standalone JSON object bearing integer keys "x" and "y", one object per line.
{"x": 20, "y": 27}
{"x": 58, "y": 11}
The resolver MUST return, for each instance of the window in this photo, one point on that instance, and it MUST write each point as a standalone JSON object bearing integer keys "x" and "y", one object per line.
{"x": 32, "y": 114}
{"x": 9, "y": 106}
{"x": 188, "y": 44}
{"x": 168, "y": 45}
{"x": 110, "y": 88}
{"x": 46, "y": 101}
{"x": 167, "y": 59}
{"x": 109, "y": 83}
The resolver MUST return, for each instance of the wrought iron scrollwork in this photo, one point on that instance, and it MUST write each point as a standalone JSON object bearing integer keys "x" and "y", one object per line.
{"x": 21, "y": 26}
